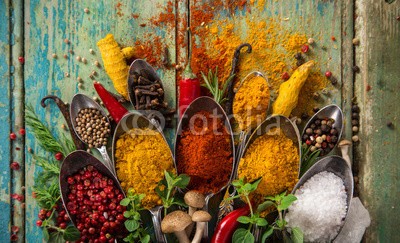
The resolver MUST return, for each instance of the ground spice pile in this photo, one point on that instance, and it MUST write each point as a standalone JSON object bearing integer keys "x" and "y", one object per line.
{"x": 275, "y": 158}
{"x": 141, "y": 156}
{"x": 204, "y": 153}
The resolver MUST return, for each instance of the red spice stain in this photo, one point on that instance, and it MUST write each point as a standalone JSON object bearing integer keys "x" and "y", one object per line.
{"x": 368, "y": 88}
{"x": 135, "y": 16}
{"x": 151, "y": 50}
{"x": 167, "y": 17}
{"x": 118, "y": 8}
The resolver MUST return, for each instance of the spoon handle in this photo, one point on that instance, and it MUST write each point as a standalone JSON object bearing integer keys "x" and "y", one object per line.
{"x": 156, "y": 218}
{"x": 106, "y": 158}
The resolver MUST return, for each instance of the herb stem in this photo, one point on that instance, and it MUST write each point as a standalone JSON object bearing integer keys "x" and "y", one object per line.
{"x": 251, "y": 208}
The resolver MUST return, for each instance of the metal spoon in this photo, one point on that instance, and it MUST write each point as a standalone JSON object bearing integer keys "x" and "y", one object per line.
{"x": 290, "y": 131}
{"x": 137, "y": 120}
{"x": 136, "y": 67}
{"x": 81, "y": 101}
{"x": 338, "y": 166}
{"x": 212, "y": 200}
{"x": 330, "y": 111}
{"x": 72, "y": 164}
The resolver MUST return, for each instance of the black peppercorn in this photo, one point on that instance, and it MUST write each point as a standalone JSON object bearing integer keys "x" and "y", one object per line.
{"x": 356, "y": 69}
{"x": 305, "y": 137}
{"x": 309, "y": 131}
{"x": 333, "y": 80}
{"x": 333, "y": 131}
{"x": 304, "y": 116}
{"x": 298, "y": 56}
{"x": 318, "y": 132}
{"x": 317, "y": 122}
{"x": 324, "y": 128}
{"x": 354, "y": 122}
{"x": 300, "y": 62}
{"x": 315, "y": 109}
{"x": 389, "y": 124}
{"x": 334, "y": 139}
{"x": 355, "y": 115}
{"x": 313, "y": 126}
{"x": 355, "y": 108}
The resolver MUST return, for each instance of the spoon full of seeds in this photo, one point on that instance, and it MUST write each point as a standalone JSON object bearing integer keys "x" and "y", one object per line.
{"x": 91, "y": 125}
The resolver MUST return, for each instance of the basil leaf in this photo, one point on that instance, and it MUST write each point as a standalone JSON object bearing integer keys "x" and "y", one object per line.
{"x": 243, "y": 236}
{"x": 263, "y": 206}
{"x": 297, "y": 235}
{"x": 286, "y": 202}
{"x": 125, "y": 202}
{"x": 267, "y": 234}
{"x": 261, "y": 222}
{"x": 131, "y": 225}
{"x": 244, "y": 219}
{"x": 71, "y": 233}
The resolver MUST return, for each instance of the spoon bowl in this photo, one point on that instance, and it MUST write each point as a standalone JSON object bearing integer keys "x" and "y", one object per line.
{"x": 330, "y": 111}
{"x": 136, "y": 67}
{"x": 336, "y": 165}
{"x": 208, "y": 104}
{"x": 72, "y": 164}
{"x": 79, "y": 102}
{"x": 138, "y": 120}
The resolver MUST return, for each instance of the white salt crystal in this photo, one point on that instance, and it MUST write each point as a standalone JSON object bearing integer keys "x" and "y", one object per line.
{"x": 320, "y": 207}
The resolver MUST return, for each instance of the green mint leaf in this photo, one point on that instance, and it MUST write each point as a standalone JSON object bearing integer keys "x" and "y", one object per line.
{"x": 297, "y": 235}
{"x": 254, "y": 185}
{"x": 125, "y": 202}
{"x": 238, "y": 183}
{"x": 243, "y": 236}
{"x": 247, "y": 187}
{"x": 244, "y": 220}
{"x": 56, "y": 237}
{"x": 267, "y": 234}
{"x": 183, "y": 181}
{"x": 170, "y": 179}
{"x": 263, "y": 206}
{"x": 71, "y": 233}
{"x": 179, "y": 201}
{"x": 141, "y": 196}
{"x": 280, "y": 223}
{"x": 131, "y": 225}
{"x": 145, "y": 239}
{"x": 286, "y": 202}
{"x": 127, "y": 214}
{"x": 261, "y": 222}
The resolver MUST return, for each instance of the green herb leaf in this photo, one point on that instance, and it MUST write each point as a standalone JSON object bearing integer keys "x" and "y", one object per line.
{"x": 297, "y": 235}
{"x": 127, "y": 214}
{"x": 244, "y": 220}
{"x": 71, "y": 233}
{"x": 145, "y": 239}
{"x": 254, "y": 185}
{"x": 179, "y": 201}
{"x": 183, "y": 181}
{"x": 263, "y": 206}
{"x": 131, "y": 225}
{"x": 170, "y": 178}
{"x": 267, "y": 234}
{"x": 125, "y": 202}
{"x": 56, "y": 237}
{"x": 238, "y": 183}
{"x": 286, "y": 202}
{"x": 243, "y": 236}
{"x": 261, "y": 222}
{"x": 46, "y": 235}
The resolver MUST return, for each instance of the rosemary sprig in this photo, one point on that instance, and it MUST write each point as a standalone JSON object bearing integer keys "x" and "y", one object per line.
{"x": 43, "y": 135}
{"x": 308, "y": 158}
{"x": 212, "y": 84}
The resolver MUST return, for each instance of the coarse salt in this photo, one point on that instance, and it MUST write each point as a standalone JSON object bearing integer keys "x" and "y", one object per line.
{"x": 320, "y": 208}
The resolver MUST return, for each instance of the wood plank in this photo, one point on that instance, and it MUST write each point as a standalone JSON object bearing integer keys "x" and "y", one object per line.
{"x": 378, "y": 152}
{"x": 5, "y": 98}
{"x": 49, "y": 23}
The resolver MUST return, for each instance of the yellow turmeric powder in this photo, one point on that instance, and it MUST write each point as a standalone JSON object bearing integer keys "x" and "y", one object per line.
{"x": 141, "y": 156}
{"x": 251, "y": 102}
{"x": 275, "y": 158}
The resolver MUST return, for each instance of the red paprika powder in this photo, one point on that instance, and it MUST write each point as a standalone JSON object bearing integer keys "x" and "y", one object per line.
{"x": 204, "y": 153}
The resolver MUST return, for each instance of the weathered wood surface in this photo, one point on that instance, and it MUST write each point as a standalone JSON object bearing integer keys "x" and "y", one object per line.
{"x": 378, "y": 152}
{"x": 37, "y": 29}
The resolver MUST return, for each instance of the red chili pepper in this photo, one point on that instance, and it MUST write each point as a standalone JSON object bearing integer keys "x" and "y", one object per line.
{"x": 117, "y": 111}
{"x": 189, "y": 89}
{"x": 227, "y": 226}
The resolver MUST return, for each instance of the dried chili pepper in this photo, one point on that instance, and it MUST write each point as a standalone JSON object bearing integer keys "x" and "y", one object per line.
{"x": 235, "y": 64}
{"x": 117, "y": 111}
{"x": 227, "y": 226}
{"x": 189, "y": 89}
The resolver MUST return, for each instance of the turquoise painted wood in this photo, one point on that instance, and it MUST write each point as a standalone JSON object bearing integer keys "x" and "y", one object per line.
{"x": 37, "y": 29}
{"x": 5, "y": 105}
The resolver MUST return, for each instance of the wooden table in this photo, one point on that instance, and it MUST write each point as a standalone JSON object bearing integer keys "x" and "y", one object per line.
{"x": 37, "y": 29}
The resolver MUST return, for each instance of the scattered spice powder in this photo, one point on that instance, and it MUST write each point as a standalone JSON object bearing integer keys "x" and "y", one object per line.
{"x": 141, "y": 156}
{"x": 205, "y": 153}
{"x": 275, "y": 158}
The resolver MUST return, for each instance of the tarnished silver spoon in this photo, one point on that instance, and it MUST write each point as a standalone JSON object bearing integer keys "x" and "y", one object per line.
{"x": 72, "y": 164}
{"x": 336, "y": 165}
{"x": 81, "y": 101}
{"x": 212, "y": 200}
{"x": 139, "y": 66}
{"x": 137, "y": 120}
{"x": 290, "y": 131}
